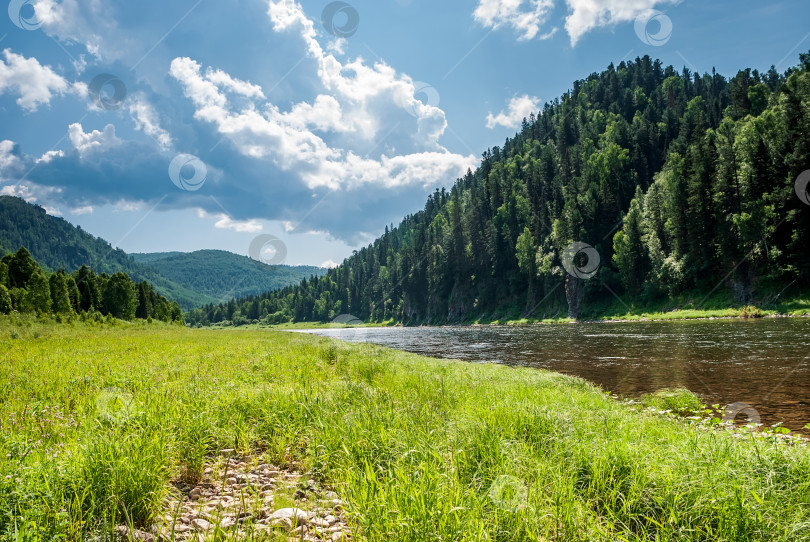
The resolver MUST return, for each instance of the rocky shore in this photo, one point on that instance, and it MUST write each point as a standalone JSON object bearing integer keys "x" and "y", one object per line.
{"x": 243, "y": 497}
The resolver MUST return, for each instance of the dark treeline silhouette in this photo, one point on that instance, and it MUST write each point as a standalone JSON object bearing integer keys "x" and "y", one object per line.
{"x": 26, "y": 287}
{"x": 682, "y": 183}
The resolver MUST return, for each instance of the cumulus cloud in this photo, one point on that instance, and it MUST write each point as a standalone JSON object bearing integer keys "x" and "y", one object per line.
{"x": 527, "y": 17}
{"x": 350, "y": 157}
{"x": 524, "y": 16}
{"x": 34, "y": 83}
{"x": 146, "y": 119}
{"x": 517, "y": 109}
{"x": 89, "y": 142}
{"x": 84, "y": 210}
{"x": 89, "y": 22}
{"x": 325, "y": 141}
{"x": 225, "y": 222}
{"x": 8, "y": 156}
{"x": 50, "y": 155}
{"x": 589, "y": 14}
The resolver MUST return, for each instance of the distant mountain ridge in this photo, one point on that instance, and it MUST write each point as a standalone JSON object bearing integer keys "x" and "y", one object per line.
{"x": 223, "y": 274}
{"x": 192, "y": 279}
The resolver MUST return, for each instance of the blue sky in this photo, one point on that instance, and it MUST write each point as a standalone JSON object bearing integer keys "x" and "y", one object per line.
{"x": 197, "y": 124}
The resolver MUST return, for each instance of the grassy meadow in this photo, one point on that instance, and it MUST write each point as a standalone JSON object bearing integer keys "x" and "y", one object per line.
{"x": 97, "y": 420}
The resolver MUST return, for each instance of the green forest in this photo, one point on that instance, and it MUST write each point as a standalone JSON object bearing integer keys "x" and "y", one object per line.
{"x": 25, "y": 287}
{"x": 224, "y": 275}
{"x": 641, "y": 185}
{"x": 218, "y": 275}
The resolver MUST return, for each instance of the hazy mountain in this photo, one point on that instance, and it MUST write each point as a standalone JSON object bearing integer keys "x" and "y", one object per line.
{"x": 223, "y": 274}
{"x": 193, "y": 279}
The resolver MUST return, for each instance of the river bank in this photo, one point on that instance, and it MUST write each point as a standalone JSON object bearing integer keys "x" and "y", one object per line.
{"x": 687, "y": 308}
{"x": 415, "y": 448}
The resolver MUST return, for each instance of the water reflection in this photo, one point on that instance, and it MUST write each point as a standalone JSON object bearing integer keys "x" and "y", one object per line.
{"x": 765, "y": 363}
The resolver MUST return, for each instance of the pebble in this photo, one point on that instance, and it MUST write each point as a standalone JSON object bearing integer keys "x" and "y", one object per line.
{"x": 243, "y": 505}
{"x": 200, "y": 524}
{"x": 300, "y": 516}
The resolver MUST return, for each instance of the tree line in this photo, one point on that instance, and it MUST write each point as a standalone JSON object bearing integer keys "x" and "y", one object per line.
{"x": 26, "y": 287}
{"x": 678, "y": 184}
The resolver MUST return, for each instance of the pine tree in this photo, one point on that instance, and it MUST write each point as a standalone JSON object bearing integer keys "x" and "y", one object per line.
{"x": 21, "y": 268}
{"x": 120, "y": 297}
{"x": 37, "y": 297}
{"x": 59, "y": 293}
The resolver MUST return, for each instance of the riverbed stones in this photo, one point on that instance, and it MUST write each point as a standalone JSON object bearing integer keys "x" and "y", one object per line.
{"x": 236, "y": 496}
{"x": 295, "y": 515}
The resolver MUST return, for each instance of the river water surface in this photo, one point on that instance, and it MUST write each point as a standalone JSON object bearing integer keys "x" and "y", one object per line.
{"x": 764, "y": 362}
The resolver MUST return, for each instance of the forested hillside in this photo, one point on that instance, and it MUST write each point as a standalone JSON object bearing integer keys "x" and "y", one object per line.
{"x": 191, "y": 279}
{"x": 223, "y": 274}
{"x": 57, "y": 244}
{"x": 682, "y": 184}
{"x": 26, "y": 287}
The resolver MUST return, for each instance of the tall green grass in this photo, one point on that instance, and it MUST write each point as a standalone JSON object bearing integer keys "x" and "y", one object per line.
{"x": 419, "y": 449}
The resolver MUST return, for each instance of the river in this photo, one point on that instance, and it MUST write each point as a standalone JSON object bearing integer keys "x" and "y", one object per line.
{"x": 764, "y": 363}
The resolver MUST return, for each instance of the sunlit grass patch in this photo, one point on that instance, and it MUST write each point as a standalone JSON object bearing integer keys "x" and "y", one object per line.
{"x": 97, "y": 420}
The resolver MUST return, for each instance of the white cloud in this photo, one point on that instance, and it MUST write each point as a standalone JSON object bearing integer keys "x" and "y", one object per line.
{"x": 128, "y": 206}
{"x": 91, "y": 141}
{"x": 87, "y": 22}
{"x": 80, "y": 65}
{"x": 326, "y": 142}
{"x": 524, "y": 16}
{"x": 224, "y": 222}
{"x": 585, "y": 15}
{"x": 146, "y": 119}
{"x": 527, "y": 17}
{"x": 329, "y": 264}
{"x": 83, "y": 210}
{"x": 8, "y": 158}
{"x": 225, "y": 81}
{"x": 36, "y": 84}
{"x": 48, "y": 156}
{"x": 32, "y": 193}
{"x": 518, "y": 108}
